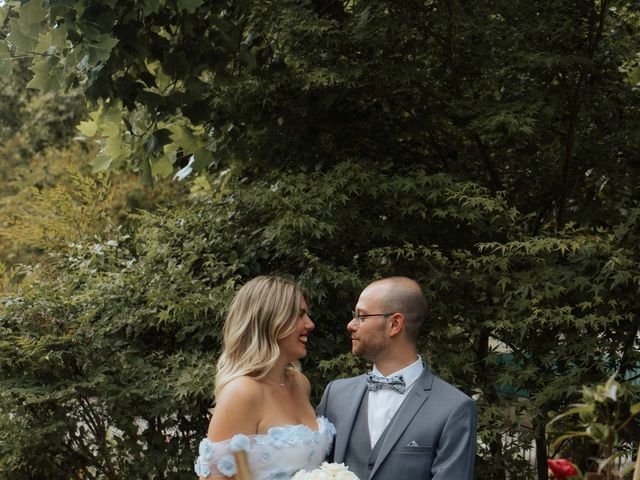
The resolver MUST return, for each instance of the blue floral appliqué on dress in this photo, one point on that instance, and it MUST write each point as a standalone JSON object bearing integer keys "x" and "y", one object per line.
{"x": 227, "y": 465}
{"x": 240, "y": 442}
{"x": 279, "y": 453}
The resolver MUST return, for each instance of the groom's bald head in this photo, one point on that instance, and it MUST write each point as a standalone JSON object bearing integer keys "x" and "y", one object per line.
{"x": 404, "y": 295}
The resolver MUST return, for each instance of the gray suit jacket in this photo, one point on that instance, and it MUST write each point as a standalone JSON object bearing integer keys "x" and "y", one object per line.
{"x": 436, "y": 419}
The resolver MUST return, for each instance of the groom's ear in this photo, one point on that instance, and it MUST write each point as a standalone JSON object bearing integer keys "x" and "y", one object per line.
{"x": 396, "y": 324}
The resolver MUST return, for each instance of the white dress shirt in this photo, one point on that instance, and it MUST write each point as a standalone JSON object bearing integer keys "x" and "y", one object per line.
{"x": 383, "y": 404}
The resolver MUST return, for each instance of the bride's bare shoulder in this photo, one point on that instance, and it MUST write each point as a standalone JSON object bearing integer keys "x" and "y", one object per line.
{"x": 240, "y": 390}
{"x": 237, "y": 409}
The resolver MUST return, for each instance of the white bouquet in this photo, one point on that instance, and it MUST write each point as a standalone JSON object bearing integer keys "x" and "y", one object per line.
{"x": 327, "y": 471}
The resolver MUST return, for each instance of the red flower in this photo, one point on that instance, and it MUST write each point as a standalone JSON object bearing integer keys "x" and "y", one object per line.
{"x": 562, "y": 469}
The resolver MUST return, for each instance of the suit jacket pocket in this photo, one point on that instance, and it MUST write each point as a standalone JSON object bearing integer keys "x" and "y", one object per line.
{"x": 421, "y": 450}
{"x": 407, "y": 463}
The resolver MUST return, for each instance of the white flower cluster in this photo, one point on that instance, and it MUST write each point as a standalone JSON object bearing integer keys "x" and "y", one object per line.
{"x": 327, "y": 471}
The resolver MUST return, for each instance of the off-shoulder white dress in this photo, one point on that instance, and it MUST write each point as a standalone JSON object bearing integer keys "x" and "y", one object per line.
{"x": 277, "y": 454}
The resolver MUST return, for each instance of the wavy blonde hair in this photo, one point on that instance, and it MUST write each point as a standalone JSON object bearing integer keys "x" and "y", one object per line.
{"x": 263, "y": 311}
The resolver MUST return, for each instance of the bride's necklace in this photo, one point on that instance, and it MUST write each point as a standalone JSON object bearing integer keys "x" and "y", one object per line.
{"x": 277, "y": 382}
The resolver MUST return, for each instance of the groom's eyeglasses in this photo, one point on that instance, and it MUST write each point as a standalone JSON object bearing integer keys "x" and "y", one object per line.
{"x": 360, "y": 317}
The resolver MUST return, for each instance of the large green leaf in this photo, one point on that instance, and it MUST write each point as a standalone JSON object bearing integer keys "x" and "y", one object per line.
{"x": 5, "y": 53}
{"x": 44, "y": 42}
{"x": 88, "y": 128}
{"x": 162, "y": 166}
{"x": 100, "y": 48}
{"x": 23, "y": 41}
{"x": 31, "y": 16}
{"x": 183, "y": 137}
{"x": 47, "y": 75}
{"x": 59, "y": 36}
{"x": 101, "y": 162}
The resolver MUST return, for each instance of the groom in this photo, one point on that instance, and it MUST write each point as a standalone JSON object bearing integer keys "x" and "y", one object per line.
{"x": 399, "y": 422}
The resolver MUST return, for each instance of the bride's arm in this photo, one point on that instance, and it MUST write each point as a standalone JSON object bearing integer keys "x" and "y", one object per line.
{"x": 237, "y": 410}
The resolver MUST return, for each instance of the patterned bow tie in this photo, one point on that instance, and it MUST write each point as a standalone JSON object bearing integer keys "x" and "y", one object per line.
{"x": 395, "y": 383}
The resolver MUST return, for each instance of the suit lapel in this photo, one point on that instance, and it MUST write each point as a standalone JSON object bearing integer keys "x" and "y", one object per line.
{"x": 418, "y": 394}
{"x": 350, "y": 411}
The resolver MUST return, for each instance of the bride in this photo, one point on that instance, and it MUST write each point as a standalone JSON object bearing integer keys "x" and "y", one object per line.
{"x": 262, "y": 398}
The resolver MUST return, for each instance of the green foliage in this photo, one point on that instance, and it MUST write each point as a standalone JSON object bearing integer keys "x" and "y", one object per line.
{"x": 604, "y": 413}
{"x": 122, "y": 335}
{"x": 39, "y": 121}
{"x": 486, "y": 149}
{"x": 125, "y": 326}
{"x": 74, "y": 379}
{"x": 498, "y": 93}
{"x": 41, "y": 165}
{"x": 47, "y": 204}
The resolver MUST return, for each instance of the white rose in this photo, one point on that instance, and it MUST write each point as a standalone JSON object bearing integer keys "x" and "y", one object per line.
{"x": 346, "y": 476}
{"x": 317, "y": 474}
{"x": 333, "y": 468}
{"x": 300, "y": 475}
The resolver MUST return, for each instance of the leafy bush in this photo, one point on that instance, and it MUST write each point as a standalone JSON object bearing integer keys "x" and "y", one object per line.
{"x": 108, "y": 350}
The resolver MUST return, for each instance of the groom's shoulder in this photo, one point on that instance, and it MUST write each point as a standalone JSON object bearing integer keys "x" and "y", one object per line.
{"x": 346, "y": 383}
{"x": 448, "y": 392}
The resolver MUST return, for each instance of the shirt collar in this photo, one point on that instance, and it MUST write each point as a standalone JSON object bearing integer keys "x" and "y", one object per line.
{"x": 410, "y": 372}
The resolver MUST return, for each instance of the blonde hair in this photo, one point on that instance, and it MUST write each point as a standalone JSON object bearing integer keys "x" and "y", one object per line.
{"x": 263, "y": 311}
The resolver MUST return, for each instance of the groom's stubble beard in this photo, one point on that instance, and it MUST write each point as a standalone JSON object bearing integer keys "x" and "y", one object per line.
{"x": 371, "y": 345}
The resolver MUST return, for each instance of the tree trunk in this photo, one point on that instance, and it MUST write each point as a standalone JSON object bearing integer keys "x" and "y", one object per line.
{"x": 495, "y": 446}
{"x": 541, "y": 455}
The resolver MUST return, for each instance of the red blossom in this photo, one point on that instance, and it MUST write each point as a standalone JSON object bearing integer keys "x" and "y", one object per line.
{"x": 562, "y": 469}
